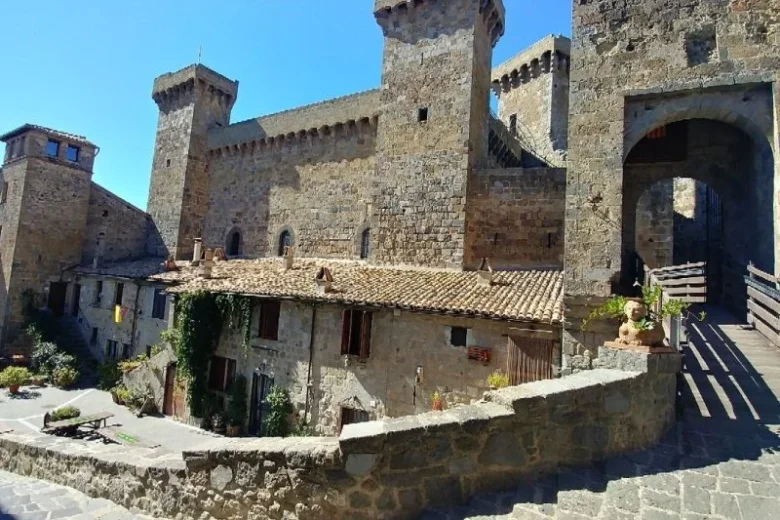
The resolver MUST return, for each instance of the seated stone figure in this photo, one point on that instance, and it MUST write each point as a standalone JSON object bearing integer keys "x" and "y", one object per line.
{"x": 633, "y": 333}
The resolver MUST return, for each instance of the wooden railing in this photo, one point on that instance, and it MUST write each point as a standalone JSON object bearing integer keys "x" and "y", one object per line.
{"x": 686, "y": 282}
{"x": 763, "y": 303}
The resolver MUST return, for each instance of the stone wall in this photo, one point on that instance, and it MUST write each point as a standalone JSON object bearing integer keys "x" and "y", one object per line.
{"x": 386, "y": 384}
{"x": 383, "y": 469}
{"x": 654, "y": 234}
{"x": 116, "y": 230}
{"x": 319, "y": 189}
{"x": 516, "y": 217}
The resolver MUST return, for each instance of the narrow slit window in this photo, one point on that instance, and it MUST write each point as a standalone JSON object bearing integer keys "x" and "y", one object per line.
{"x": 422, "y": 114}
{"x": 365, "y": 244}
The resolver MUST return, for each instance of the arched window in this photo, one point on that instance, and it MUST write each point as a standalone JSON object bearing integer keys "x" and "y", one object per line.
{"x": 285, "y": 240}
{"x": 234, "y": 244}
{"x": 365, "y": 243}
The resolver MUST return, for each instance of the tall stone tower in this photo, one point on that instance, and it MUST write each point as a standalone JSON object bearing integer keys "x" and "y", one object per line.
{"x": 191, "y": 101}
{"x": 432, "y": 133}
{"x": 46, "y": 179}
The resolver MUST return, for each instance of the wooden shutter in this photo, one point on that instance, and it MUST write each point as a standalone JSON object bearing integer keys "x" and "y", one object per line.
{"x": 365, "y": 335}
{"x": 346, "y": 328}
{"x": 529, "y": 359}
{"x": 269, "y": 320}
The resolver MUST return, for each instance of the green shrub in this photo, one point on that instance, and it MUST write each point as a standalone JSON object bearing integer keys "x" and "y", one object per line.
{"x": 122, "y": 393}
{"x": 65, "y": 376}
{"x": 47, "y": 358}
{"x": 66, "y": 412}
{"x": 131, "y": 364}
{"x": 109, "y": 375}
{"x": 498, "y": 379}
{"x": 303, "y": 430}
{"x": 279, "y": 401}
{"x": 14, "y": 376}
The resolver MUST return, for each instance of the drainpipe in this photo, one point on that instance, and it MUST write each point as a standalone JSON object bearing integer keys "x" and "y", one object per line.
{"x": 135, "y": 318}
{"x": 311, "y": 357}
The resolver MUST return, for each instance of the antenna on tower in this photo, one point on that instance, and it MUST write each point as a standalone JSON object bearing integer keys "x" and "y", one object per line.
{"x": 200, "y": 53}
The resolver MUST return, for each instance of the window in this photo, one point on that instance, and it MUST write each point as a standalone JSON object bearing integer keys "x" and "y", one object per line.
{"x": 365, "y": 243}
{"x": 513, "y": 124}
{"x": 94, "y": 337}
{"x": 158, "y": 304}
{"x": 98, "y": 291}
{"x": 352, "y": 416}
{"x": 422, "y": 114}
{"x": 221, "y": 373}
{"x": 167, "y": 163}
{"x": 111, "y": 349}
{"x": 53, "y": 148}
{"x": 4, "y": 193}
{"x": 356, "y": 333}
{"x": 120, "y": 289}
{"x": 20, "y": 147}
{"x": 72, "y": 153}
{"x": 234, "y": 244}
{"x": 458, "y": 336}
{"x": 148, "y": 351}
{"x": 125, "y": 351}
{"x": 269, "y": 320}
{"x": 285, "y": 240}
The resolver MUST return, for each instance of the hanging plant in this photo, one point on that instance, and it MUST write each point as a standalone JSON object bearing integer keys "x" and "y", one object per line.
{"x": 236, "y": 313}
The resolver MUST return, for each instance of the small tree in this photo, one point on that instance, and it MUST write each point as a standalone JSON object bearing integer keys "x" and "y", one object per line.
{"x": 279, "y": 401}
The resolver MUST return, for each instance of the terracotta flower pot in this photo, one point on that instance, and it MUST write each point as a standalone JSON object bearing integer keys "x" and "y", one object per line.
{"x": 438, "y": 405}
{"x": 14, "y": 389}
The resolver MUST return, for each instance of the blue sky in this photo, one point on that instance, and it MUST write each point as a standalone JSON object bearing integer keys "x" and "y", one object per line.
{"x": 87, "y": 66}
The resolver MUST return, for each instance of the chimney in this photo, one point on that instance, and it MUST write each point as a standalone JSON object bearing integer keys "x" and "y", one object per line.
{"x": 289, "y": 256}
{"x": 207, "y": 264}
{"x": 197, "y": 252}
{"x": 324, "y": 281}
{"x": 485, "y": 272}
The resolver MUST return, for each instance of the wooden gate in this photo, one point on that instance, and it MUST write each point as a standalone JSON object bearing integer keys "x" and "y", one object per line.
{"x": 529, "y": 359}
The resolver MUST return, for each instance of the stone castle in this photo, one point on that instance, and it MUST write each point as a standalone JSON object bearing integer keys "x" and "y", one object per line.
{"x": 577, "y": 183}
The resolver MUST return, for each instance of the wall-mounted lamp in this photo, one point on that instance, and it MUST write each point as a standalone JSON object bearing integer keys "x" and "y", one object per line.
{"x": 418, "y": 374}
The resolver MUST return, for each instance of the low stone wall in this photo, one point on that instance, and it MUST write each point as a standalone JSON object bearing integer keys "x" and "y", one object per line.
{"x": 389, "y": 469}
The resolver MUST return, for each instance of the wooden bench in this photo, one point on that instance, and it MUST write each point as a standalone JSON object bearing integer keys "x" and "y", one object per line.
{"x": 93, "y": 421}
{"x": 114, "y": 434}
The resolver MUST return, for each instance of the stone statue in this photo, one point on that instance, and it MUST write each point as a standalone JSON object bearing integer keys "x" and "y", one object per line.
{"x": 635, "y": 331}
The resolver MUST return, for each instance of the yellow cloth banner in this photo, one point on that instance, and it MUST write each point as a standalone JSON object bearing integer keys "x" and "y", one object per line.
{"x": 117, "y": 314}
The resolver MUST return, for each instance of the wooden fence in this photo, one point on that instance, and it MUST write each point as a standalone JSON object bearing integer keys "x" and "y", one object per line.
{"x": 686, "y": 282}
{"x": 763, "y": 303}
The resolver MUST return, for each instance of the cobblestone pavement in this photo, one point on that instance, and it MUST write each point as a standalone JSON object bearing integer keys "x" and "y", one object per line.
{"x": 722, "y": 460}
{"x": 23, "y": 498}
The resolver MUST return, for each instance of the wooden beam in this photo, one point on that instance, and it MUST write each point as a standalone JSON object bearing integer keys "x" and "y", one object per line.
{"x": 680, "y": 267}
{"x": 694, "y": 280}
{"x": 763, "y": 299}
{"x": 770, "y": 319}
{"x": 761, "y": 274}
{"x": 683, "y": 291}
{"x": 693, "y": 299}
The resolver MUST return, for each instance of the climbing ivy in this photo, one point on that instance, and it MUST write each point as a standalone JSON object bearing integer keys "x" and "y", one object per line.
{"x": 200, "y": 318}
{"x": 199, "y": 324}
{"x": 236, "y": 314}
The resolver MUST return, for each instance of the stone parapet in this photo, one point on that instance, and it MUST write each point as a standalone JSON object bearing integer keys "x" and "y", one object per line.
{"x": 550, "y": 54}
{"x": 173, "y": 87}
{"x": 384, "y": 469}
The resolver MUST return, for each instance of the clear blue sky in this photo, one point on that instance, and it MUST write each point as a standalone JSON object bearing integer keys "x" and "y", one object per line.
{"x": 87, "y": 66}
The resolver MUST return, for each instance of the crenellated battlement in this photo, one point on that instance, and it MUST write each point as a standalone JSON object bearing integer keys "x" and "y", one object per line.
{"x": 551, "y": 54}
{"x": 389, "y": 13}
{"x": 340, "y": 130}
{"x": 177, "y": 88}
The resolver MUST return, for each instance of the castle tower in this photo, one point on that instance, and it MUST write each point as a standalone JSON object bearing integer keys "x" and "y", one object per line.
{"x": 46, "y": 179}
{"x": 432, "y": 133}
{"x": 191, "y": 101}
{"x": 533, "y": 92}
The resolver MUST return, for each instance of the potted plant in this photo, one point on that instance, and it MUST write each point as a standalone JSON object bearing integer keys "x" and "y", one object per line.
{"x": 13, "y": 378}
{"x": 437, "y": 400}
{"x": 498, "y": 380}
{"x": 237, "y": 407}
{"x": 38, "y": 380}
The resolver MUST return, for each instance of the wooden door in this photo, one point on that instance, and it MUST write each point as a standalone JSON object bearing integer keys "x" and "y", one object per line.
{"x": 529, "y": 359}
{"x": 170, "y": 387}
{"x": 259, "y": 409}
{"x": 57, "y": 292}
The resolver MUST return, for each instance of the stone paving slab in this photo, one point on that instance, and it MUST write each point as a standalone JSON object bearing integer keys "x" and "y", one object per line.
{"x": 24, "y": 498}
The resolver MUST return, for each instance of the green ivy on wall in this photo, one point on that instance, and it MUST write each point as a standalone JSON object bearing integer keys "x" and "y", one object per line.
{"x": 200, "y": 318}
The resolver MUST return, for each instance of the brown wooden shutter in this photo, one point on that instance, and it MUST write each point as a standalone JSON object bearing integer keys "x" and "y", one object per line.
{"x": 346, "y": 327}
{"x": 269, "y": 320}
{"x": 365, "y": 335}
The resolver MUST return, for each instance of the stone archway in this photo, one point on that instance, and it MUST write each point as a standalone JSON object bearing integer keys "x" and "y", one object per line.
{"x": 728, "y": 160}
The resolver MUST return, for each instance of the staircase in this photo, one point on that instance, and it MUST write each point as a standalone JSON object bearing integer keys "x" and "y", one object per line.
{"x": 71, "y": 340}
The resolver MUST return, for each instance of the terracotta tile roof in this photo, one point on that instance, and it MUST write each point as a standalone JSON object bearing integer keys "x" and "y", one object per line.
{"x": 531, "y": 296}
{"x": 73, "y": 138}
